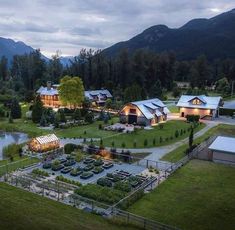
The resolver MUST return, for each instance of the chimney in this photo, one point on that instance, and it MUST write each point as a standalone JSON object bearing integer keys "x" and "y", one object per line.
{"x": 48, "y": 85}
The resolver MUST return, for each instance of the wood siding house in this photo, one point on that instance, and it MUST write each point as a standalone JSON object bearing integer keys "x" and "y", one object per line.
{"x": 203, "y": 106}
{"x": 98, "y": 97}
{"x": 49, "y": 95}
{"x": 147, "y": 112}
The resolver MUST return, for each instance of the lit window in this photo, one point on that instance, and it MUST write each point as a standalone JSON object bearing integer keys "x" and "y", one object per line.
{"x": 196, "y": 102}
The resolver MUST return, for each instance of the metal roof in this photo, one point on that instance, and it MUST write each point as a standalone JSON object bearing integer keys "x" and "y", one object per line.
{"x": 224, "y": 144}
{"x": 151, "y": 107}
{"x": 208, "y": 102}
{"x": 47, "y": 139}
{"x": 45, "y": 91}
{"x": 90, "y": 93}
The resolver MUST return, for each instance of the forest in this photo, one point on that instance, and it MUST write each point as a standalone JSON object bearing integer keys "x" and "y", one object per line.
{"x": 129, "y": 77}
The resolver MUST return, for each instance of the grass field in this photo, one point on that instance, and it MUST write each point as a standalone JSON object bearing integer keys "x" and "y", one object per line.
{"x": 7, "y": 166}
{"x": 140, "y": 135}
{"x": 178, "y": 153}
{"x": 200, "y": 195}
{"x": 173, "y": 108}
{"x": 21, "y": 210}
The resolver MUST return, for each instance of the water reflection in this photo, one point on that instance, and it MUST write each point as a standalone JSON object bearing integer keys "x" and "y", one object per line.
{"x": 10, "y": 138}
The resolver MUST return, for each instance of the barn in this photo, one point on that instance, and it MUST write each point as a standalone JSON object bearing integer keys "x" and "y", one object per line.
{"x": 223, "y": 150}
{"x": 147, "y": 113}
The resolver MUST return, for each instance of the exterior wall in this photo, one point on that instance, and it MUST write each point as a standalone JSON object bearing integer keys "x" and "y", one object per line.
{"x": 201, "y": 112}
{"x": 50, "y": 101}
{"x": 224, "y": 157}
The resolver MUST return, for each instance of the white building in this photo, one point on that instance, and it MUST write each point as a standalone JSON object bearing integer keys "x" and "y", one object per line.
{"x": 147, "y": 112}
{"x": 202, "y": 105}
{"x": 98, "y": 97}
{"x": 223, "y": 150}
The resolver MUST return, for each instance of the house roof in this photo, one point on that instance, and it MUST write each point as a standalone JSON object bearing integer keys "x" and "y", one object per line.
{"x": 223, "y": 144}
{"x": 207, "y": 102}
{"x": 47, "y": 139}
{"x": 151, "y": 107}
{"x": 90, "y": 93}
{"x": 45, "y": 91}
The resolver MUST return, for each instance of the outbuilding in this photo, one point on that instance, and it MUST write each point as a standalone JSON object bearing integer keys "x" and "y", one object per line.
{"x": 204, "y": 106}
{"x": 44, "y": 143}
{"x": 147, "y": 113}
{"x": 223, "y": 150}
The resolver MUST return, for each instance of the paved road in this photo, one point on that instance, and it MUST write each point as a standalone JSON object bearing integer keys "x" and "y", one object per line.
{"x": 158, "y": 152}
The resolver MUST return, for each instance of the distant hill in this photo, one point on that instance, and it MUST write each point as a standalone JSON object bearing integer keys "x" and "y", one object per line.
{"x": 214, "y": 37}
{"x": 9, "y": 48}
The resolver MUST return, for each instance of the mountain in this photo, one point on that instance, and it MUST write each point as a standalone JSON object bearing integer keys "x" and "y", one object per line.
{"x": 66, "y": 60}
{"x": 214, "y": 37}
{"x": 9, "y": 48}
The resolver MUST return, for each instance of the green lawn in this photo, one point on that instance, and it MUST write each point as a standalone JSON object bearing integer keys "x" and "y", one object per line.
{"x": 87, "y": 131}
{"x": 178, "y": 153}
{"x": 173, "y": 108}
{"x": 139, "y": 136}
{"x": 200, "y": 195}
{"x": 6, "y": 165}
{"x": 21, "y": 210}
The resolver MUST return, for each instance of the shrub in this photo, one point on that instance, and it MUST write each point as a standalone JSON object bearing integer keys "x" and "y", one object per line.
{"x": 160, "y": 139}
{"x": 104, "y": 182}
{"x": 145, "y": 142}
{"x": 100, "y": 126}
{"x": 160, "y": 126}
{"x": 123, "y": 186}
{"x": 154, "y": 141}
{"x": 113, "y": 144}
{"x": 181, "y": 132}
{"x": 123, "y": 144}
{"x": 89, "y": 117}
{"x": 100, "y": 193}
{"x": 134, "y": 144}
{"x": 192, "y": 118}
{"x": 66, "y": 180}
{"x": 176, "y": 133}
{"x": 68, "y": 148}
{"x": 40, "y": 172}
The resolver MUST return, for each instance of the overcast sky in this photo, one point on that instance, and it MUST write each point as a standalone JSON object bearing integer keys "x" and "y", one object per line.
{"x": 69, "y": 25}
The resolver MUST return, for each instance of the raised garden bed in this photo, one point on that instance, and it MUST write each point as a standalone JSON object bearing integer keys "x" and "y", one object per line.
{"x": 70, "y": 163}
{"x": 88, "y": 160}
{"x": 46, "y": 165}
{"x": 75, "y": 172}
{"x": 88, "y": 167}
{"x": 86, "y": 175}
{"x": 98, "y": 162}
{"x": 97, "y": 170}
{"x": 104, "y": 182}
{"x": 108, "y": 165}
{"x": 62, "y": 160}
{"x": 66, "y": 170}
{"x": 57, "y": 167}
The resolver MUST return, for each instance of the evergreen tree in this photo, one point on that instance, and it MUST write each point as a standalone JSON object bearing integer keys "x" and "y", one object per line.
{"x": 191, "y": 138}
{"x": 37, "y": 110}
{"x": 77, "y": 115}
{"x": 15, "y": 109}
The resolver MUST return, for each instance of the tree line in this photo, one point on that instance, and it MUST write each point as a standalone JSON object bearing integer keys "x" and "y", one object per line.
{"x": 129, "y": 77}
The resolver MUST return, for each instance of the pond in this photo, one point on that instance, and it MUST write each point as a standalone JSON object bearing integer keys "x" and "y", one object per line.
{"x": 10, "y": 138}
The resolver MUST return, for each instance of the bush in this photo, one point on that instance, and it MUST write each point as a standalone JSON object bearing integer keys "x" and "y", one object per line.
{"x": 100, "y": 193}
{"x": 63, "y": 179}
{"x": 145, "y": 142}
{"x": 160, "y": 126}
{"x": 123, "y": 186}
{"x": 176, "y": 133}
{"x": 160, "y": 139}
{"x": 12, "y": 150}
{"x": 154, "y": 141}
{"x": 100, "y": 126}
{"x": 40, "y": 172}
{"x": 192, "y": 118}
{"x": 104, "y": 182}
{"x": 123, "y": 144}
{"x": 68, "y": 148}
{"x": 89, "y": 117}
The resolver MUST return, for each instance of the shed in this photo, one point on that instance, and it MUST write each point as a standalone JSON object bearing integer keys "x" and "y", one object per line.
{"x": 223, "y": 150}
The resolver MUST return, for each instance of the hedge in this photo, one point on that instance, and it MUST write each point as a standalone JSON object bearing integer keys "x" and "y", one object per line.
{"x": 192, "y": 118}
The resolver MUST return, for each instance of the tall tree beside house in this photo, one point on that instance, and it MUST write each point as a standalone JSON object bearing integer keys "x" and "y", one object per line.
{"x": 71, "y": 91}
{"x": 15, "y": 109}
{"x": 190, "y": 140}
{"x": 37, "y": 110}
{"x": 55, "y": 68}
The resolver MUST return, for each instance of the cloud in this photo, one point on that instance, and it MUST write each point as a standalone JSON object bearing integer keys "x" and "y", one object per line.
{"x": 73, "y": 24}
